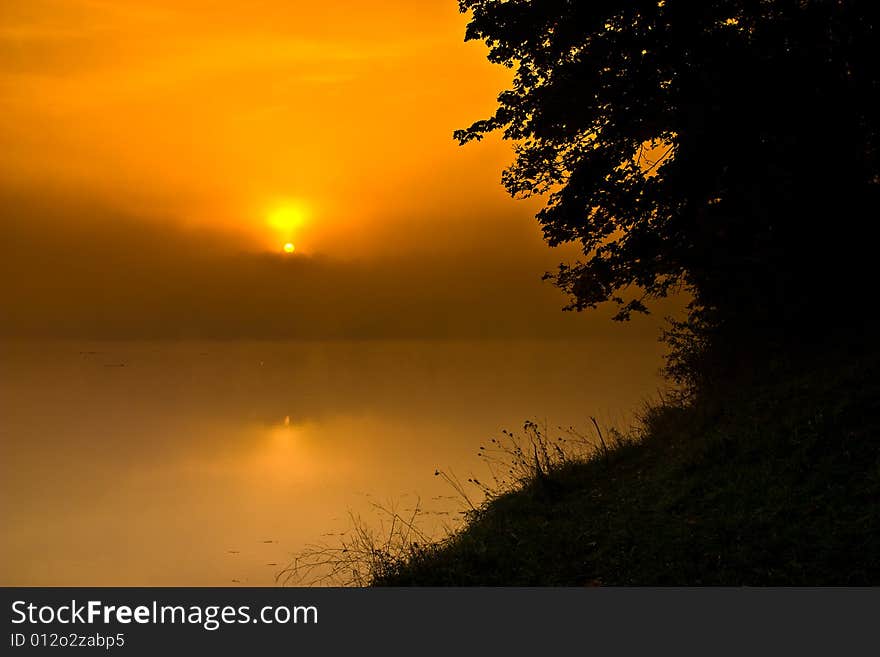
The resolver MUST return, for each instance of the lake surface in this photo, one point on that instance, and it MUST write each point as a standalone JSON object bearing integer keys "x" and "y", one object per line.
{"x": 208, "y": 463}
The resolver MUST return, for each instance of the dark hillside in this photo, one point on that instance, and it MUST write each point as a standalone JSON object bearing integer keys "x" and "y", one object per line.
{"x": 777, "y": 484}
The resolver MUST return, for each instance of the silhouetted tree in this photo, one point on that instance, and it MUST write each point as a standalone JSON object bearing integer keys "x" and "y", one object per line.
{"x": 728, "y": 147}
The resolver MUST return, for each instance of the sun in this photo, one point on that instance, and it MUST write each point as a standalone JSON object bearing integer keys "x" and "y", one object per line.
{"x": 288, "y": 216}
{"x": 286, "y": 220}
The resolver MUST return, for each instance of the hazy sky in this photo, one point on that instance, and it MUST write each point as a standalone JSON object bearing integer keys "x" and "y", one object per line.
{"x": 156, "y": 155}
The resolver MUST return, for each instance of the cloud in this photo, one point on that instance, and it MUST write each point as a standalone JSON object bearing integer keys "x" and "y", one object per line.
{"x": 69, "y": 268}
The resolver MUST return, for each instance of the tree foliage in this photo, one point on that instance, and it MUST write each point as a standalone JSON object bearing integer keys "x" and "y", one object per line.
{"x": 725, "y": 146}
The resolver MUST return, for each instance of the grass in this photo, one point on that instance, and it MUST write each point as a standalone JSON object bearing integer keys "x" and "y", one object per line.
{"x": 776, "y": 482}
{"x": 365, "y": 553}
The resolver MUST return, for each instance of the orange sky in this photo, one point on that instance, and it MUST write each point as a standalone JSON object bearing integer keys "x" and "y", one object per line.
{"x": 222, "y": 113}
{"x": 156, "y": 156}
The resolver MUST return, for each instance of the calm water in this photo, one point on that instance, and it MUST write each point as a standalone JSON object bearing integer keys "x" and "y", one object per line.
{"x": 203, "y": 463}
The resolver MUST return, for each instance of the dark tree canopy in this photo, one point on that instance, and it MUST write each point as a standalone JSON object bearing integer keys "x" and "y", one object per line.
{"x": 728, "y": 147}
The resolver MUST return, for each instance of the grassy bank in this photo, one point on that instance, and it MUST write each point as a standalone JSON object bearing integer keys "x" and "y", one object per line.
{"x": 775, "y": 483}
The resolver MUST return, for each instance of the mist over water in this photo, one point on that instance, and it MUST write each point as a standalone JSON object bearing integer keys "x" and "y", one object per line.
{"x": 204, "y": 463}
